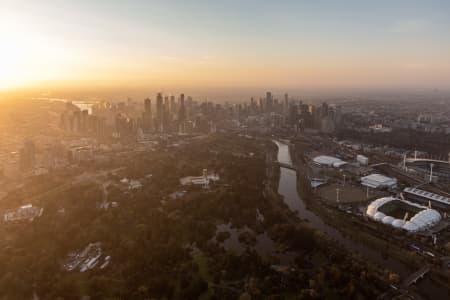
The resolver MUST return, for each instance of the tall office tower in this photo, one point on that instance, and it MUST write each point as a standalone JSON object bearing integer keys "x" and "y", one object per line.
{"x": 182, "y": 110}
{"x": 159, "y": 111}
{"x": 269, "y": 102}
{"x": 305, "y": 115}
{"x": 189, "y": 108}
{"x": 147, "y": 116}
{"x": 148, "y": 105}
{"x": 324, "y": 109}
{"x": 166, "y": 102}
{"x": 172, "y": 105}
{"x": 166, "y": 114}
{"x": 286, "y": 104}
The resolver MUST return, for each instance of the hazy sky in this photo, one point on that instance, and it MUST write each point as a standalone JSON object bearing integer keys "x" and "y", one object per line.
{"x": 225, "y": 44}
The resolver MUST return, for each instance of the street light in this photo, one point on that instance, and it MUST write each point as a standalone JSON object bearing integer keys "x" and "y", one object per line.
{"x": 431, "y": 172}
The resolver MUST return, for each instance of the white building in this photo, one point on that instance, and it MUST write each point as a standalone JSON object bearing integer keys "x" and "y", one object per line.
{"x": 363, "y": 160}
{"x": 23, "y": 213}
{"x": 378, "y": 181}
{"x": 200, "y": 180}
{"x": 425, "y": 218}
{"x": 328, "y": 161}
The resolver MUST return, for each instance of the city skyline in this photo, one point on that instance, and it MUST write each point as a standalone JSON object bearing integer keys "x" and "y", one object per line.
{"x": 219, "y": 46}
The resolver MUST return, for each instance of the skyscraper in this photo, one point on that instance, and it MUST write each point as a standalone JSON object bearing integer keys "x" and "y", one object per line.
{"x": 148, "y": 105}
{"x": 172, "y": 105}
{"x": 286, "y": 104}
{"x": 269, "y": 102}
{"x": 159, "y": 112}
{"x": 182, "y": 110}
{"x": 181, "y": 115}
{"x": 147, "y": 116}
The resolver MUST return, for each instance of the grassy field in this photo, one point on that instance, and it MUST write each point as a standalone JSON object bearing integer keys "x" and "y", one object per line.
{"x": 347, "y": 193}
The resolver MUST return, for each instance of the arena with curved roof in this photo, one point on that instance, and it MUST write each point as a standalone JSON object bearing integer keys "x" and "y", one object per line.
{"x": 402, "y": 214}
{"x": 329, "y": 161}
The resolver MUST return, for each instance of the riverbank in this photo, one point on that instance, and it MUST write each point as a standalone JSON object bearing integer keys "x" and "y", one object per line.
{"x": 372, "y": 243}
{"x": 285, "y": 185}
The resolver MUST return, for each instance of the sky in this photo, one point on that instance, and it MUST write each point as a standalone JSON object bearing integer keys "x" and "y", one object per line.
{"x": 228, "y": 44}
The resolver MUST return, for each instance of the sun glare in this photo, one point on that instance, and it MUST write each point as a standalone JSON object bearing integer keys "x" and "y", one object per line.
{"x": 10, "y": 64}
{"x": 24, "y": 55}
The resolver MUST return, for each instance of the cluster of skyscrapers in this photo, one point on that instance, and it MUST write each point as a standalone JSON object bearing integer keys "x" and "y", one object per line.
{"x": 290, "y": 113}
{"x": 171, "y": 114}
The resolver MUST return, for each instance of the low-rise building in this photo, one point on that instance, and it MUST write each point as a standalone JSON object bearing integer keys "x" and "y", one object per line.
{"x": 200, "y": 180}
{"x": 378, "y": 181}
{"x": 328, "y": 161}
{"x": 23, "y": 213}
{"x": 363, "y": 160}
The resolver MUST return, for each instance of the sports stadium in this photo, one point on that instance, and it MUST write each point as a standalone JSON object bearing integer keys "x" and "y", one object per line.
{"x": 429, "y": 168}
{"x": 402, "y": 214}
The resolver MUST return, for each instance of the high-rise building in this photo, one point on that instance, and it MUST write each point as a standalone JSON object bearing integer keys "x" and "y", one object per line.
{"x": 286, "y": 104}
{"x": 269, "y": 102}
{"x": 166, "y": 115}
{"x": 293, "y": 115}
{"x": 172, "y": 105}
{"x": 324, "y": 109}
{"x": 182, "y": 110}
{"x": 159, "y": 112}
{"x": 148, "y": 105}
{"x": 147, "y": 116}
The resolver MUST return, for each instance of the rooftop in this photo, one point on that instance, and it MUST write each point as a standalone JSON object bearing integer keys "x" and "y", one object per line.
{"x": 424, "y": 218}
{"x": 378, "y": 180}
{"x": 427, "y": 195}
{"x": 329, "y": 161}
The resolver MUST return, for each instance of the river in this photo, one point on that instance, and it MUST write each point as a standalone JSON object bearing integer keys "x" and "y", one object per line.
{"x": 288, "y": 189}
{"x": 82, "y": 105}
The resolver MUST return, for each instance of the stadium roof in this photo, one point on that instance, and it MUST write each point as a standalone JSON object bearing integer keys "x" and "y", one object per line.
{"x": 329, "y": 161}
{"x": 423, "y": 219}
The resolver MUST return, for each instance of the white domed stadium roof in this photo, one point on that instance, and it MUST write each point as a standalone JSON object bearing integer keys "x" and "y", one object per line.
{"x": 388, "y": 220}
{"x": 397, "y": 223}
{"x": 425, "y": 218}
{"x": 410, "y": 226}
{"x": 379, "y": 216}
{"x": 373, "y": 207}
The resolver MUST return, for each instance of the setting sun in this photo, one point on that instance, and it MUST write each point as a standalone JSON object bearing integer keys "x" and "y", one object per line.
{"x": 26, "y": 55}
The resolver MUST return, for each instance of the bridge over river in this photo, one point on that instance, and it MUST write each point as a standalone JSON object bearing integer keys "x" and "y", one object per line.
{"x": 287, "y": 166}
{"x": 411, "y": 279}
